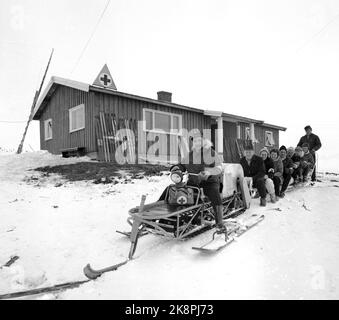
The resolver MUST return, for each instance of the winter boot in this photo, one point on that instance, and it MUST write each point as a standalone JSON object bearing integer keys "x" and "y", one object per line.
{"x": 273, "y": 198}
{"x": 262, "y": 202}
{"x": 218, "y": 215}
{"x": 221, "y": 228}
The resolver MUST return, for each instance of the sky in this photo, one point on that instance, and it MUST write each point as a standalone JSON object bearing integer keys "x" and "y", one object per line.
{"x": 272, "y": 60}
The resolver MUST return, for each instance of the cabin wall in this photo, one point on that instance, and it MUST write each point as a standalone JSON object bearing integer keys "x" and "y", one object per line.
{"x": 260, "y": 136}
{"x": 63, "y": 99}
{"x": 132, "y": 109}
{"x": 230, "y": 129}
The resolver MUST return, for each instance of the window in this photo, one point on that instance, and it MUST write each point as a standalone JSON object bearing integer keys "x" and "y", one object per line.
{"x": 77, "y": 118}
{"x": 248, "y": 133}
{"x": 48, "y": 130}
{"x": 269, "y": 139}
{"x": 157, "y": 121}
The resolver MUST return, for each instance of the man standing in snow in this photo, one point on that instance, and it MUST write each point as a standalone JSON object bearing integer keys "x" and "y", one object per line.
{"x": 314, "y": 145}
{"x": 254, "y": 168}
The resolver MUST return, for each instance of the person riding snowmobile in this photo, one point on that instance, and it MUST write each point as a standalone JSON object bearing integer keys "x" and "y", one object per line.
{"x": 206, "y": 165}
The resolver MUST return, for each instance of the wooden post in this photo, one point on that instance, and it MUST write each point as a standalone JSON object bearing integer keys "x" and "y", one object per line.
{"x": 35, "y": 100}
{"x": 220, "y": 137}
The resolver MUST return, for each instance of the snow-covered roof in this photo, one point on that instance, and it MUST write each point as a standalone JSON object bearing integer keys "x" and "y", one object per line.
{"x": 51, "y": 87}
{"x": 49, "y": 90}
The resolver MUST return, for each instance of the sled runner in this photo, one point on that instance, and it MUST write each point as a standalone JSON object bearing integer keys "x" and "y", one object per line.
{"x": 220, "y": 241}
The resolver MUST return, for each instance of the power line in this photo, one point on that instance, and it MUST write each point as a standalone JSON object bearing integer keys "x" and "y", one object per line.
{"x": 91, "y": 36}
{"x": 12, "y": 121}
{"x": 315, "y": 35}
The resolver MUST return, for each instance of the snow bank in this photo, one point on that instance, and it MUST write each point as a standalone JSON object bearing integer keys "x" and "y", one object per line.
{"x": 15, "y": 166}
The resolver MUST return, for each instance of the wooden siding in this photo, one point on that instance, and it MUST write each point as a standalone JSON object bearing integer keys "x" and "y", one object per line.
{"x": 133, "y": 109}
{"x": 260, "y": 136}
{"x": 57, "y": 109}
{"x": 65, "y": 98}
{"x": 230, "y": 130}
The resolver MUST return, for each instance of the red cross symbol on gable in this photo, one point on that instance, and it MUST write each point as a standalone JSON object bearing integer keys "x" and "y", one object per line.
{"x": 104, "y": 79}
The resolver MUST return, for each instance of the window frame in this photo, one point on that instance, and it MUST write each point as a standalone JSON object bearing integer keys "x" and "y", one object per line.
{"x": 70, "y": 116}
{"x": 176, "y": 132}
{"x": 272, "y": 136}
{"x": 249, "y": 133}
{"x": 45, "y": 127}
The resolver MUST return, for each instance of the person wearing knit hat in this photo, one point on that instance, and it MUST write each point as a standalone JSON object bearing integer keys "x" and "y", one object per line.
{"x": 298, "y": 154}
{"x": 283, "y": 148}
{"x": 254, "y": 170}
{"x": 307, "y": 161}
{"x": 277, "y": 171}
{"x": 265, "y": 154}
{"x": 288, "y": 170}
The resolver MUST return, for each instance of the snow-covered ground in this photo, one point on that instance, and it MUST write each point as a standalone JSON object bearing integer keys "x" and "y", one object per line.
{"x": 56, "y": 231}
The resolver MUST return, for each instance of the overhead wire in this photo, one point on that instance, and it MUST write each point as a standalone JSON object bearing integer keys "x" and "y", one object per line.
{"x": 91, "y": 36}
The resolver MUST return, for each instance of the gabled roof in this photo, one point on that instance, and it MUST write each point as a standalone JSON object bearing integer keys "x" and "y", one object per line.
{"x": 56, "y": 81}
{"x": 49, "y": 90}
{"x": 273, "y": 126}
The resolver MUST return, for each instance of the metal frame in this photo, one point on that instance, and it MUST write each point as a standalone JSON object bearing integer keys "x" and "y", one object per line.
{"x": 151, "y": 222}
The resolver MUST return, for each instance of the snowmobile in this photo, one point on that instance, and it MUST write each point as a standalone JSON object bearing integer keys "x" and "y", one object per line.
{"x": 184, "y": 211}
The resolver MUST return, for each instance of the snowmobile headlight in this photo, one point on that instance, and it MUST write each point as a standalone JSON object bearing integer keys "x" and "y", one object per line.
{"x": 176, "y": 177}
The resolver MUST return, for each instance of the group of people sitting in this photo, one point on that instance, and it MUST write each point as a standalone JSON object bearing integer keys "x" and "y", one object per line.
{"x": 271, "y": 172}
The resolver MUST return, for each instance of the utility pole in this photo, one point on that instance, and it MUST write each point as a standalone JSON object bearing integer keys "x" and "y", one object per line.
{"x": 35, "y": 100}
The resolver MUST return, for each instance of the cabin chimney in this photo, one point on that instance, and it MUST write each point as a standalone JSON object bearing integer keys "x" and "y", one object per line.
{"x": 165, "y": 96}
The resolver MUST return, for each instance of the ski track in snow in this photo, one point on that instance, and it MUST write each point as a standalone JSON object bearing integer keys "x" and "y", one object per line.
{"x": 292, "y": 254}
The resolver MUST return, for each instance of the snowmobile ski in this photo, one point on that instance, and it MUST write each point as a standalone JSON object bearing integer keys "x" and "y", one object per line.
{"x": 219, "y": 241}
{"x": 32, "y": 292}
{"x": 94, "y": 274}
{"x": 90, "y": 273}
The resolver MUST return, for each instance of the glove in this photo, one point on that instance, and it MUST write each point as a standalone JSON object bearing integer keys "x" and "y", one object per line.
{"x": 204, "y": 175}
{"x": 176, "y": 168}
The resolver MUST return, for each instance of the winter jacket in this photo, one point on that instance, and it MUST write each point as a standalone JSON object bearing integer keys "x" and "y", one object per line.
{"x": 205, "y": 159}
{"x": 296, "y": 160}
{"x": 278, "y": 168}
{"x": 255, "y": 169}
{"x": 288, "y": 165}
{"x": 268, "y": 164}
{"x": 307, "y": 159}
{"x": 313, "y": 141}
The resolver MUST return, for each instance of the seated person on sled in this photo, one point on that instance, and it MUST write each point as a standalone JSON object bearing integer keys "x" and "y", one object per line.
{"x": 206, "y": 166}
{"x": 254, "y": 171}
{"x": 305, "y": 163}
{"x": 288, "y": 169}
{"x": 269, "y": 176}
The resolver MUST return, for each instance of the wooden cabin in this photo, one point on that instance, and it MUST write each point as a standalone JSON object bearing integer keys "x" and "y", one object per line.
{"x": 81, "y": 119}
